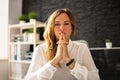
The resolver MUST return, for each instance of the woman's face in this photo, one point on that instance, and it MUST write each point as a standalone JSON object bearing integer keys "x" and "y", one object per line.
{"x": 62, "y": 25}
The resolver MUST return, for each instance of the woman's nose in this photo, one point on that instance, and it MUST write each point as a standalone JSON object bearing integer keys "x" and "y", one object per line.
{"x": 61, "y": 27}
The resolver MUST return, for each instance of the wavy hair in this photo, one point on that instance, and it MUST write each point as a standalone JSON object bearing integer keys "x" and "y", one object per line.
{"x": 49, "y": 35}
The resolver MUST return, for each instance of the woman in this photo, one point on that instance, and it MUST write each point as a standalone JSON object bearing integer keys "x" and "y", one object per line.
{"x": 59, "y": 58}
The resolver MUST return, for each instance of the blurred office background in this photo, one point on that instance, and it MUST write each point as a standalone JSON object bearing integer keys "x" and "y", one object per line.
{"x": 96, "y": 20}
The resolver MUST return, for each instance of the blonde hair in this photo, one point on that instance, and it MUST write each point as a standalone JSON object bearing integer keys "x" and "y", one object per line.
{"x": 49, "y": 36}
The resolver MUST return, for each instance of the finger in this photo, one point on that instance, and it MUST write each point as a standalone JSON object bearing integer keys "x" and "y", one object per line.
{"x": 59, "y": 42}
{"x": 66, "y": 43}
{"x": 62, "y": 42}
{"x": 59, "y": 49}
{"x": 61, "y": 36}
{"x": 64, "y": 37}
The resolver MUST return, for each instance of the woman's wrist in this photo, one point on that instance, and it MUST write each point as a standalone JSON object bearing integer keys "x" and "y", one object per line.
{"x": 67, "y": 59}
{"x": 54, "y": 62}
{"x": 70, "y": 62}
{"x": 71, "y": 66}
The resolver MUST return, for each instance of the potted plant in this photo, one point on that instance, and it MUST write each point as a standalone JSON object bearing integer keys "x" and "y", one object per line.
{"x": 32, "y": 16}
{"x": 22, "y": 18}
{"x": 108, "y": 43}
{"x": 31, "y": 35}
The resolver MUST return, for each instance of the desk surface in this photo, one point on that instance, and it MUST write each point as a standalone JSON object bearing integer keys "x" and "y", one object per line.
{"x": 104, "y": 48}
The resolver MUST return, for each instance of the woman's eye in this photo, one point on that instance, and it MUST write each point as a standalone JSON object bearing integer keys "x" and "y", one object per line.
{"x": 66, "y": 24}
{"x": 57, "y": 24}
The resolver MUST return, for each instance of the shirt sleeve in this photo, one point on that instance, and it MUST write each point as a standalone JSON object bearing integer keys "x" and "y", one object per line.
{"x": 38, "y": 71}
{"x": 87, "y": 70}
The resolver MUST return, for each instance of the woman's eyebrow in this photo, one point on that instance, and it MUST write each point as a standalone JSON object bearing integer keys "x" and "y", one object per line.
{"x": 59, "y": 21}
{"x": 66, "y": 21}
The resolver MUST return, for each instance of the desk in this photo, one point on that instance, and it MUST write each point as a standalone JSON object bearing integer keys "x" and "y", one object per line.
{"x": 107, "y": 61}
{"x": 104, "y": 48}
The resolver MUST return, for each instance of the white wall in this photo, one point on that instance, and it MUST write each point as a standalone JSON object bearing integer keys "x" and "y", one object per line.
{"x": 4, "y": 29}
{"x": 9, "y": 12}
{"x": 4, "y": 39}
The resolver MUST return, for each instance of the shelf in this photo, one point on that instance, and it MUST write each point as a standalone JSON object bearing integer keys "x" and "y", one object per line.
{"x": 28, "y": 25}
{"x": 20, "y": 61}
{"x": 21, "y": 25}
{"x": 22, "y": 47}
{"x": 21, "y": 43}
{"x": 14, "y": 78}
{"x": 40, "y": 24}
{"x": 41, "y": 41}
{"x": 104, "y": 48}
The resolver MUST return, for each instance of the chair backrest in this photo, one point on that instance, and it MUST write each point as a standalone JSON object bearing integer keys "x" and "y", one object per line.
{"x": 83, "y": 41}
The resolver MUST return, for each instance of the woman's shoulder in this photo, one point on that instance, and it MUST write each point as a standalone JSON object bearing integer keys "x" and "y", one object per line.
{"x": 41, "y": 46}
{"x": 40, "y": 49}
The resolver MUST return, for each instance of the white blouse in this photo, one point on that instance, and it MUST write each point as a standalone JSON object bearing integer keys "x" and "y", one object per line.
{"x": 84, "y": 68}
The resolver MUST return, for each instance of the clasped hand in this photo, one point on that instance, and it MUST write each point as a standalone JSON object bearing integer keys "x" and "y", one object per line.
{"x": 62, "y": 51}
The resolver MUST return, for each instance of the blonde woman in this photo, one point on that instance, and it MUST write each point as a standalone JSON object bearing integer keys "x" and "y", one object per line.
{"x": 59, "y": 58}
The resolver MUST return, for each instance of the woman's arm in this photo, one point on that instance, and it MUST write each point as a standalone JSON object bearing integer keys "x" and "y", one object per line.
{"x": 37, "y": 69}
{"x": 87, "y": 70}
